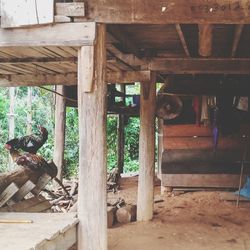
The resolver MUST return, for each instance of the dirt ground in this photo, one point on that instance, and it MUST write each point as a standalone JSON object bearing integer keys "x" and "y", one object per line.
{"x": 189, "y": 221}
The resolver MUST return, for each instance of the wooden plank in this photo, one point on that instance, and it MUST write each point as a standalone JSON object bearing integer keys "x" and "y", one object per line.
{"x": 17, "y": 13}
{"x": 236, "y": 39}
{"x": 24, "y": 190}
{"x": 40, "y": 79}
{"x": 128, "y": 76}
{"x": 205, "y": 66}
{"x": 77, "y": 34}
{"x": 32, "y": 205}
{"x": 191, "y": 155}
{"x": 60, "y": 116}
{"x": 92, "y": 203}
{"x": 201, "y": 180}
{"x": 8, "y": 193}
{"x": 205, "y": 39}
{"x": 171, "y": 12}
{"x": 36, "y": 59}
{"x": 201, "y": 143}
{"x": 200, "y": 167}
{"x": 186, "y": 130}
{"x": 145, "y": 199}
{"x": 182, "y": 38}
{"x": 41, "y": 183}
{"x": 70, "y": 9}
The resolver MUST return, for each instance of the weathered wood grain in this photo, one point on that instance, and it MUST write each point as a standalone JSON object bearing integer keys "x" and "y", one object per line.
{"x": 62, "y": 34}
{"x": 92, "y": 203}
{"x": 174, "y": 11}
{"x": 145, "y": 200}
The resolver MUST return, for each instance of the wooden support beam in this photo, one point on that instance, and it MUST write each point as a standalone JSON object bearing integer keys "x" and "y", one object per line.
{"x": 92, "y": 202}
{"x": 182, "y": 38}
{"x": 120, "y": 35}
{"x": 121, "y": 136}
{"x": 63, "y": 34}
{"x": 129, "y": 59}
{"x": 36, "y": 80}
{"x": 60, "y": 116}
{"x": 145, "y": 200}
{"x": 205, "y": 39}
{"x": 236, "y": 40}
{"x": 128, "y": 76}
{"x": 171, "y": 12}
{"x": 201, "y": 66}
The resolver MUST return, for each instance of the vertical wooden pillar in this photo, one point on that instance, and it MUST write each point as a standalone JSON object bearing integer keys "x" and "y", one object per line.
{"x": 60, "y": 116}
{"x": 11, "y": 121}
{"x": 145, "y": 201}
{"x": 121, "y": 136}
{"x": 92, "y": 89}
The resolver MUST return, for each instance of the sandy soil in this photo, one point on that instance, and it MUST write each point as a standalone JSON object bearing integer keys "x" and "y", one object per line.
{"x": 190, "y": 221}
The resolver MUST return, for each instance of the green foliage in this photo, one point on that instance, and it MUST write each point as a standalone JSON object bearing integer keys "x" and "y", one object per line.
{"x": 43, "y": 114}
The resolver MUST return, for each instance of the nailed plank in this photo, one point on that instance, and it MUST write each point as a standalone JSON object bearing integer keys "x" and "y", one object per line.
{"x": 128, "y": 76}
{"x": 17, "y": 13}
{"x": 201, "y": 143}
{"x": 186, "y": 130}
{"x": 24, "y": 190}
{"x": 8, "y": 193}
{"x": 40, "y": 79}
{"x": 165, "y": 12}
{"x": 70, "y": 9}
{"x": 61, "y": 34}
{"x": 206, "y": 66}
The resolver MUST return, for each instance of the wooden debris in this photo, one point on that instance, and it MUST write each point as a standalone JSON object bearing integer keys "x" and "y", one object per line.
{"x": 32, "y": 205}
{"x": 113, "y": 179}
{"x": 8, "y": 193}
{"x": 24, "y": 190}
{"x": 126, "y": 214}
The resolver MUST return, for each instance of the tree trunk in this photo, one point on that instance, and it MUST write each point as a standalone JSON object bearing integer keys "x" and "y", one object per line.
{"x": 29, "y": 111}
{"x": 60, "y": 115}
{"x": 11, "y": 121}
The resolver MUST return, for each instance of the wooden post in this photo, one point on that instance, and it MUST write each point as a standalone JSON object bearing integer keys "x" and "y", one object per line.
{"x": 205, "y": 39}
{"x": 92, "y": 197}
{"x": 145, "y": 200}
{"x": 60, "y": 115}
{"x": 121, "y": 139}
{"x": 11, "y": 121}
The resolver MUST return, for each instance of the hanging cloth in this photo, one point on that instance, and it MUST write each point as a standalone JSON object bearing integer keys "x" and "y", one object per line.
{"x": 215, "y": 127}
